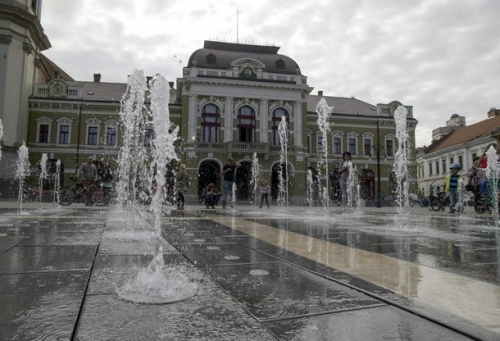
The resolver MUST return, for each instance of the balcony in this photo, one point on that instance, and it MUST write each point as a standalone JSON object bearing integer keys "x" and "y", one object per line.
{"x": 237, "y": 147}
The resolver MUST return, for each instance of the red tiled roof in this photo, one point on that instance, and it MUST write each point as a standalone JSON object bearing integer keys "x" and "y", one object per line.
{"x": 467, "y": 134}
{"x": 51, "y": 69}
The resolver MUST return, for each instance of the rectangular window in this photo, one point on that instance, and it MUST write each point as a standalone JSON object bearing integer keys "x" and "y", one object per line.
{"x": 460, "y": 160}
{"x": 352, "y": 145}
{"x": 444, "y": 166}
{"x": 437, "y": 167}
{"x": 368, "y": 147}
{"x": 111, "y": 136}
{"x": 92, "y": 135}
{"x": 337, "y": 146}
{"x": 430, "y": 168}
{"x": 309, "y": 144}
{"x": 64, "y": 134}
{"x": 320, "y": 144}
{"x": 389, "y": 147}
{"x": 43, "y": 136}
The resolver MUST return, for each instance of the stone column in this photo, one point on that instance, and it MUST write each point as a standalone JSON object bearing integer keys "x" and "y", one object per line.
{"x": 264, "y": 120}
{"x": 298, "y": 123}
{"x": 192, "y": 121}
{"x": 228, "y": 120}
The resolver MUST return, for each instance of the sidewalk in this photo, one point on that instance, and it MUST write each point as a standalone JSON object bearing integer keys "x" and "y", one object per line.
{"x": 280, "y": 274}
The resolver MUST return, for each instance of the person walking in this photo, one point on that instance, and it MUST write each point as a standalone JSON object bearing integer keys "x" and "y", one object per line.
{"x": 181, "y": 186}
{"x": 345, "y": 169}
{"x": 264, "y": 192}
{"x": 229, "y": 174}
{"x": 452, "y": 185}
{"x": 87, "y": 173}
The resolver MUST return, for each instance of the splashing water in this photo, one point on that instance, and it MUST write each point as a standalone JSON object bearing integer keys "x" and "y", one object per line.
{"x": 493, "y": 175}
{"x": 23, "y": 170}
{"x": 57, "y": 181}
{"x": 151, "y": 285}
{"x": 255, "y": 176}
{"x": 324, "y": 111}
{"x": 1, "y": 138}
{"x": 132, "y": 155}
{"x": 42, "y": 176}
{"x": 401, "y": 168}
{"x": 283, "y": 183}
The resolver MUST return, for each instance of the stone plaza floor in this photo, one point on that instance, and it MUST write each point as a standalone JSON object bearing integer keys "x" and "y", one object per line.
{"x": 294, "y": 273}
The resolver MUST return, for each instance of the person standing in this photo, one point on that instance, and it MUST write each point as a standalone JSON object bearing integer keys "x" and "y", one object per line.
{"x": 451, "y": 185}
{"x": 181, "y": 186}
{"x": 87, "y": 173}
{"x": 106, "y": 178}
{"x": 345, "y": 169}
{"x": 229, "y": 174}
{"x": 264, "y": 192}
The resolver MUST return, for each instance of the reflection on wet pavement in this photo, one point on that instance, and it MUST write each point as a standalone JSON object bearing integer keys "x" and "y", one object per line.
{"x": 296, "y": 275}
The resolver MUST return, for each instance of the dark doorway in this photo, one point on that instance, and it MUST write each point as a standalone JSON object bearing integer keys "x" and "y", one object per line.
{"x": 208, "y": 172}
{"x": 367, "y": 184}
{"x": 243, "y": 179}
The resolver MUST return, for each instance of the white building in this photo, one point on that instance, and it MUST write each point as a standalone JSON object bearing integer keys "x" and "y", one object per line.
{"x": 458, "y": 143}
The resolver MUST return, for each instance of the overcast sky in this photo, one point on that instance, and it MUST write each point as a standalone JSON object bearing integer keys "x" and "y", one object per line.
{"x": 440, "y": 56}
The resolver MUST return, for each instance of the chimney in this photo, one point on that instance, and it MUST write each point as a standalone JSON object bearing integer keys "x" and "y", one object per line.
{"x": 97, "y": 77}
{"x": 493, "y": 112}
{"x": 320, "y": 93}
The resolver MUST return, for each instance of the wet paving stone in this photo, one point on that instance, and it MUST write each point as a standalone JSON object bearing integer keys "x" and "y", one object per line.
{"x": 209, "y": 315}
{"x": 277, "y": 290}
{"x": 375, "y": 324}
{"x": 47, "y": 258}
{"x": 207, "y": 254}
{"x": 113, "y": 271}
{"x": 49, "y": 237}
{"x": 40, "y": 306}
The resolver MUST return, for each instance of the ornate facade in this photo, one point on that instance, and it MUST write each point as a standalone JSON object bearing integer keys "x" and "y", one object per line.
{"x": 230, "y": 102}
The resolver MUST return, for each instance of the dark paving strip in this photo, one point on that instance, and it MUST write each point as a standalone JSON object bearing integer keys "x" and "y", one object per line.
{"x": 272, "y": 291}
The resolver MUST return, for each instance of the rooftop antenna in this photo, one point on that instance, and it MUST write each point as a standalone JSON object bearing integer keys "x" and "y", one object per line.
{"x": 237, "y": 26}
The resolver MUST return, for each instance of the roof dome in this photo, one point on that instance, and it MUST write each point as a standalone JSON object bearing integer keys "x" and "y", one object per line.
{"x": 219, "y": 55}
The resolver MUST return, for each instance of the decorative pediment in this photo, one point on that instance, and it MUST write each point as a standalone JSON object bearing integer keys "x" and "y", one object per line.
{"x": 44, "y": 119}
{"x": 64, "y": 120}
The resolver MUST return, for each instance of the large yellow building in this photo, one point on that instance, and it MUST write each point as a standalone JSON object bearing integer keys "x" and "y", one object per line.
{"x": 229, "y": 102}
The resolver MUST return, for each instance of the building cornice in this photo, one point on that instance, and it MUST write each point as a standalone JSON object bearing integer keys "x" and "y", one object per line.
{"x": 20, "y": 16}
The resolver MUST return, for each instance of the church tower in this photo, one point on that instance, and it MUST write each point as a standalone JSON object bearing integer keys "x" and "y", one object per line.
{"x": 21, "y": 41}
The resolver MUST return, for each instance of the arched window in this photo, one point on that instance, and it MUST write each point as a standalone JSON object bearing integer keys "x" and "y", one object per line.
{"x": 280, "y": 64}
{"x": 210, "y": 123}
{"x": 277, "y": 117}
{"x": 246, "y": 124}
{"x": 211, "y": 59}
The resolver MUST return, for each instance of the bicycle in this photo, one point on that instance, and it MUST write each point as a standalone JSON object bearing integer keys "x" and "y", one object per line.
{"x": 73, "y": 194}
{"x": 439, "y": 202}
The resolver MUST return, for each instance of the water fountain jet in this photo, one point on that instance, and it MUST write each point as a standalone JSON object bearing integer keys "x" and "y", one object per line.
{"x": 151, "y": 285}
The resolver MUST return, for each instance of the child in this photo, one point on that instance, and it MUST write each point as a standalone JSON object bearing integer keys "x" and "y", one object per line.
{"x": 264, "y": 190}
{"x": 451, "y": 185}
{"x": 211, "y": 196}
